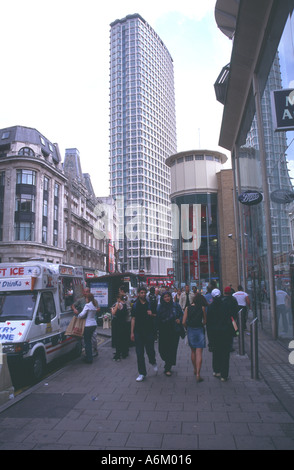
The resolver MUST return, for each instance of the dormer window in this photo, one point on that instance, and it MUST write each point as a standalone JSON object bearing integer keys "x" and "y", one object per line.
{"x": 26, "y": 152}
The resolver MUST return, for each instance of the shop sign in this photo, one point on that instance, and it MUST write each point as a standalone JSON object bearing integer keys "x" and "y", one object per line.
{"x": 282, "y": 196}
{"x": 250, "y": 198}
{"x": 283, "y": 109}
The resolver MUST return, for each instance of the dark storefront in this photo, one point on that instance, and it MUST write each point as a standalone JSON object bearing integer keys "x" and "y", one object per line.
{"x": 195, "y": 251}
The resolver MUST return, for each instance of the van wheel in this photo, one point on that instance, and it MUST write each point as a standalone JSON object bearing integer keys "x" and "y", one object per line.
{"x": 38, "y": 366}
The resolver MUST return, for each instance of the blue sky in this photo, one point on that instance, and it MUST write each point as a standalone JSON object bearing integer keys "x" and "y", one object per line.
{"x": 55, "y": 71}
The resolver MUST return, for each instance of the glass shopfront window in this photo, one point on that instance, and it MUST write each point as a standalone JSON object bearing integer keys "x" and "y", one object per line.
{"x": 279, "y": 151}
{"x": 195, "y": 240}
{"x": 282, "y": 211}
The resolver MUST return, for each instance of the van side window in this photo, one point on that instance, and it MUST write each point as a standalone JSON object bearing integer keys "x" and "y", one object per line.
{"x": 46, "y": 310}
{"x": 67, "y": 292}
{"x": 70, "y": 290}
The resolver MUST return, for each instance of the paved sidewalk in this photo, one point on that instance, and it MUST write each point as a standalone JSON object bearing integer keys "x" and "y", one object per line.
{"x": 102, "y": 407}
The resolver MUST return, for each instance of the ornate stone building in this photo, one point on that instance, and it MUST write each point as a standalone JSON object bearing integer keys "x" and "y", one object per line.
{"x": 47, "y": 210}
{"x": 81, "y": 217}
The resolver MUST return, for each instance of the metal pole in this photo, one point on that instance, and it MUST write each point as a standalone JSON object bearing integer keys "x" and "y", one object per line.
{"x": 208, "y": 247}
{"x": 241, "y": 334}
{"x": 254, "y": 348}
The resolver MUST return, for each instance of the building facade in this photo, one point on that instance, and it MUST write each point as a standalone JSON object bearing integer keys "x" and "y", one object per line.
{"x": 32, "y": 193}
{"x": 202, "y": 219}
{"x": 142, "y": 136}
{"x": 257, "y": 127}
{"x": 84, "y": 229}
{"x": 46, "y": 211}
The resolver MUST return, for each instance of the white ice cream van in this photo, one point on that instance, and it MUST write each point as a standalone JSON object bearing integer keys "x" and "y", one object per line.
{"x": 35, "y": 310}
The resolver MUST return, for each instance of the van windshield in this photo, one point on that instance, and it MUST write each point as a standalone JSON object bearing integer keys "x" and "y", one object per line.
{"x": 17, "y": 305}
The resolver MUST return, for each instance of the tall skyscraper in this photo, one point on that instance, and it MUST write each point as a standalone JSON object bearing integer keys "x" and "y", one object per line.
{"x": 142, "y": 136}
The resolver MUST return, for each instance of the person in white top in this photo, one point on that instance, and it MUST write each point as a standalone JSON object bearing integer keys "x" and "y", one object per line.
{"x": 89, "y": 311}
{"x": 282, "y": 305}
{"x": 244, "y": 303}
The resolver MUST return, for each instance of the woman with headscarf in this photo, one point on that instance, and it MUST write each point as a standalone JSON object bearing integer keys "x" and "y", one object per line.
{"x": 220, "y": 333}
{"x": 169, "y": 325}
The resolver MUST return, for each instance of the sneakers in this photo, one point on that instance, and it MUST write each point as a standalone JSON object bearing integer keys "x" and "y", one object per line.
{"x": 140, "y": 378}
{"x": 218, "y": 376}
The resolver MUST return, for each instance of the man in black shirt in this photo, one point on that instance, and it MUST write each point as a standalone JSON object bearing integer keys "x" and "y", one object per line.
{"x": 230, "y": 303}
{"x": 142, "y": 332}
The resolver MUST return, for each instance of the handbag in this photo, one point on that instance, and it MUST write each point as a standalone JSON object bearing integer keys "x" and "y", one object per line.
{"x": 179, "y": 329}
{"x": 182, "y": 331}
{"x": 76, "y": 327}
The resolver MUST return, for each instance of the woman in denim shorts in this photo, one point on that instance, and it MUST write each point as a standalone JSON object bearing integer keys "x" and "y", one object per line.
{"x": 195, "y": 319}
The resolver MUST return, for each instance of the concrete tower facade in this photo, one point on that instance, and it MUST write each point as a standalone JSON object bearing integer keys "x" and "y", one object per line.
{"x": 142, "y": 136}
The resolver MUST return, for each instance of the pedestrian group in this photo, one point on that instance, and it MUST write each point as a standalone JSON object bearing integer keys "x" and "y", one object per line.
{"x": 166, "y": 318}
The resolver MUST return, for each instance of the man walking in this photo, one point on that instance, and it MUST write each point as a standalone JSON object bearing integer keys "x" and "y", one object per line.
{"x": 231, "y": 307}
{"x": 244, "y": 304}
{"x": 283, "y": 303}
{"x": 142, "y": 332}
{"x": 186, "y": 298}
{"x": 231, "y": 304}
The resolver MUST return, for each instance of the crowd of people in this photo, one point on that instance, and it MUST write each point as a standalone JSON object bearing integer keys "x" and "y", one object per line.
{"x": 165, "y": 317}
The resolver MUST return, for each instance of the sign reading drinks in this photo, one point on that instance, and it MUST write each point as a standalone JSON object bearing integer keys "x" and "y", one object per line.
{"x": 283, "y": 109}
